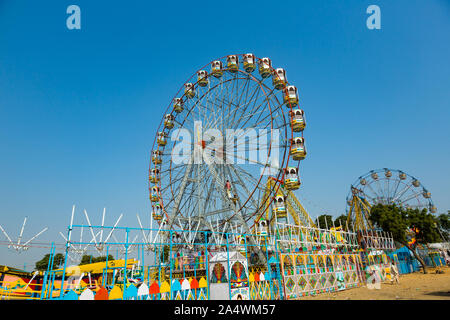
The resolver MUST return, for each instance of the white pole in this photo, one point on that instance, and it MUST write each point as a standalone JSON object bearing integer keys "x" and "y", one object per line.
{"x": 37, "y": 235}
{"x": 6, "y": 235}
{"x": 81, "y": 239}
{"x": 21, "y": 231}
{"x": 196, "y": 230}
{"x": 84, "y": 249}
{"x": 62, "y": 235}
{"x": 71, "y": 222}
{"x": 90, "y": 227}
{"x": 79, "y": 280}
{"x": 103, "y": 223}
{"x": 90, "y": 281}
{"x": 114, "y": 227}
{"x": 142, "y": 229}
{"x": 34, "y": 275}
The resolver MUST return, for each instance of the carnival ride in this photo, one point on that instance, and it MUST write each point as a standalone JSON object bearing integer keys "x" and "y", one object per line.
{"x": 18, "y": 246}
{"x": 209, "y": 187}
{"x": 385, "y": 186}
{"x": 97, "y": 238}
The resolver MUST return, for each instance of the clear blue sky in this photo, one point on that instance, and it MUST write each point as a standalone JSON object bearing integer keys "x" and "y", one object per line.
{"x": 79, "y": 108}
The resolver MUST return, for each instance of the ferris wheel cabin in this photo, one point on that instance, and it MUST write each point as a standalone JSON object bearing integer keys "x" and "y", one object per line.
{"x": 298, "y": 122}
{"x": 156, "y": 157}
{"x": 157, "y": 213}
{"x": 426, "y": 194}
{"x": 298, "y": 150}
{"x": 154, "y": 194}
{"x": 202, "y": 78}
{"x": 249, "y": 62}
{"x": 178, "y": 105}
{"x": 189, "y": 90}
{"x": 217, "y": 68}
{"x": 291, "y": 180}
{"x": 290, "y": 96}
{"x": 162, "y": 138}
{"x": 265, "y": 67}
{"x": 155, "y": 175}
{"x": 233, "y": 63}
{"x": 279, "y": 207}
{"x": 261, "y": 229}
{"x": 169, "y": 121}
{"x": 279, "y": 79}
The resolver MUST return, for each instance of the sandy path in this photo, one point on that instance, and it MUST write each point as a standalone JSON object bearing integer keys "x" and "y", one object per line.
{"x": 413, "y": 286}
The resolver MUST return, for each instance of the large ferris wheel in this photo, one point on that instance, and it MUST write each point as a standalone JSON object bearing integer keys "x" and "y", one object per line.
{"x": 386, "y": 186}
{"x": 233, "y": 124}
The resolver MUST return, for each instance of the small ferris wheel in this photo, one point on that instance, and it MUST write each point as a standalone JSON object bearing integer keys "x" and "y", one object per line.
{"x": 389, "y": 186}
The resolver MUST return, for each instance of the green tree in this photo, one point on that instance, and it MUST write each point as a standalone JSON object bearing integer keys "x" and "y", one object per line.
{"x": 444, "y": 224}
{"x": 397, "y": 220}
{"x": 42, "y": 265}
{"x": 341, "y": 221}
{"x": 87, "y": 259}
{"x": 103, "y": 258}
{"x": 325, "y": 221}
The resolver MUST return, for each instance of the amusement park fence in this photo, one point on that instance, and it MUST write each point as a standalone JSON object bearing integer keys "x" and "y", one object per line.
{"x": 201, "y": 265}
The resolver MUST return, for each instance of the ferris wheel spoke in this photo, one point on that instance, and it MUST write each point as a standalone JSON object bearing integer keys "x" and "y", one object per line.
{"x": 243, "y": 185}
{"x": 228, "y": 102}
{"x": 395, "y": 189}
{"x": 238, "y": 107}
{"x": 178, "y": 198}
{"x": 243, "y": 107}
{"x": 190, "y": 204}
{"x": 268, "y": 123}
{"x": 381, "y": 191}
{"x": 169, "y": 168}
{"x": 374, "y": 192}
{"x": 373, "y": 200}
{"x": 246, "y": 95}
{"x": 244, "y": 158}
{"x": 248, "y": 175}
{"x": 252, "y": 101}
{"x": 415, "y": 195}
{"x": 401, "y": 193}
{"x": 246, "y": 104}
{"x": 266, "y": 100}
{"x": 251, "y": 180}
{"x": 387, "y": 189}
{"x": 238, "y": 213}
{"x": 208, "y": 197}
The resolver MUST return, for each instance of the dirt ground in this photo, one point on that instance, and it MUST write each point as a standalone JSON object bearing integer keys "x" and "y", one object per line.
{"x": 413, "y": 286}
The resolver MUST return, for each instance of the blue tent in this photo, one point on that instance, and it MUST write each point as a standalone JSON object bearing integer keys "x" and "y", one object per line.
{"x": 406, "y": 261}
